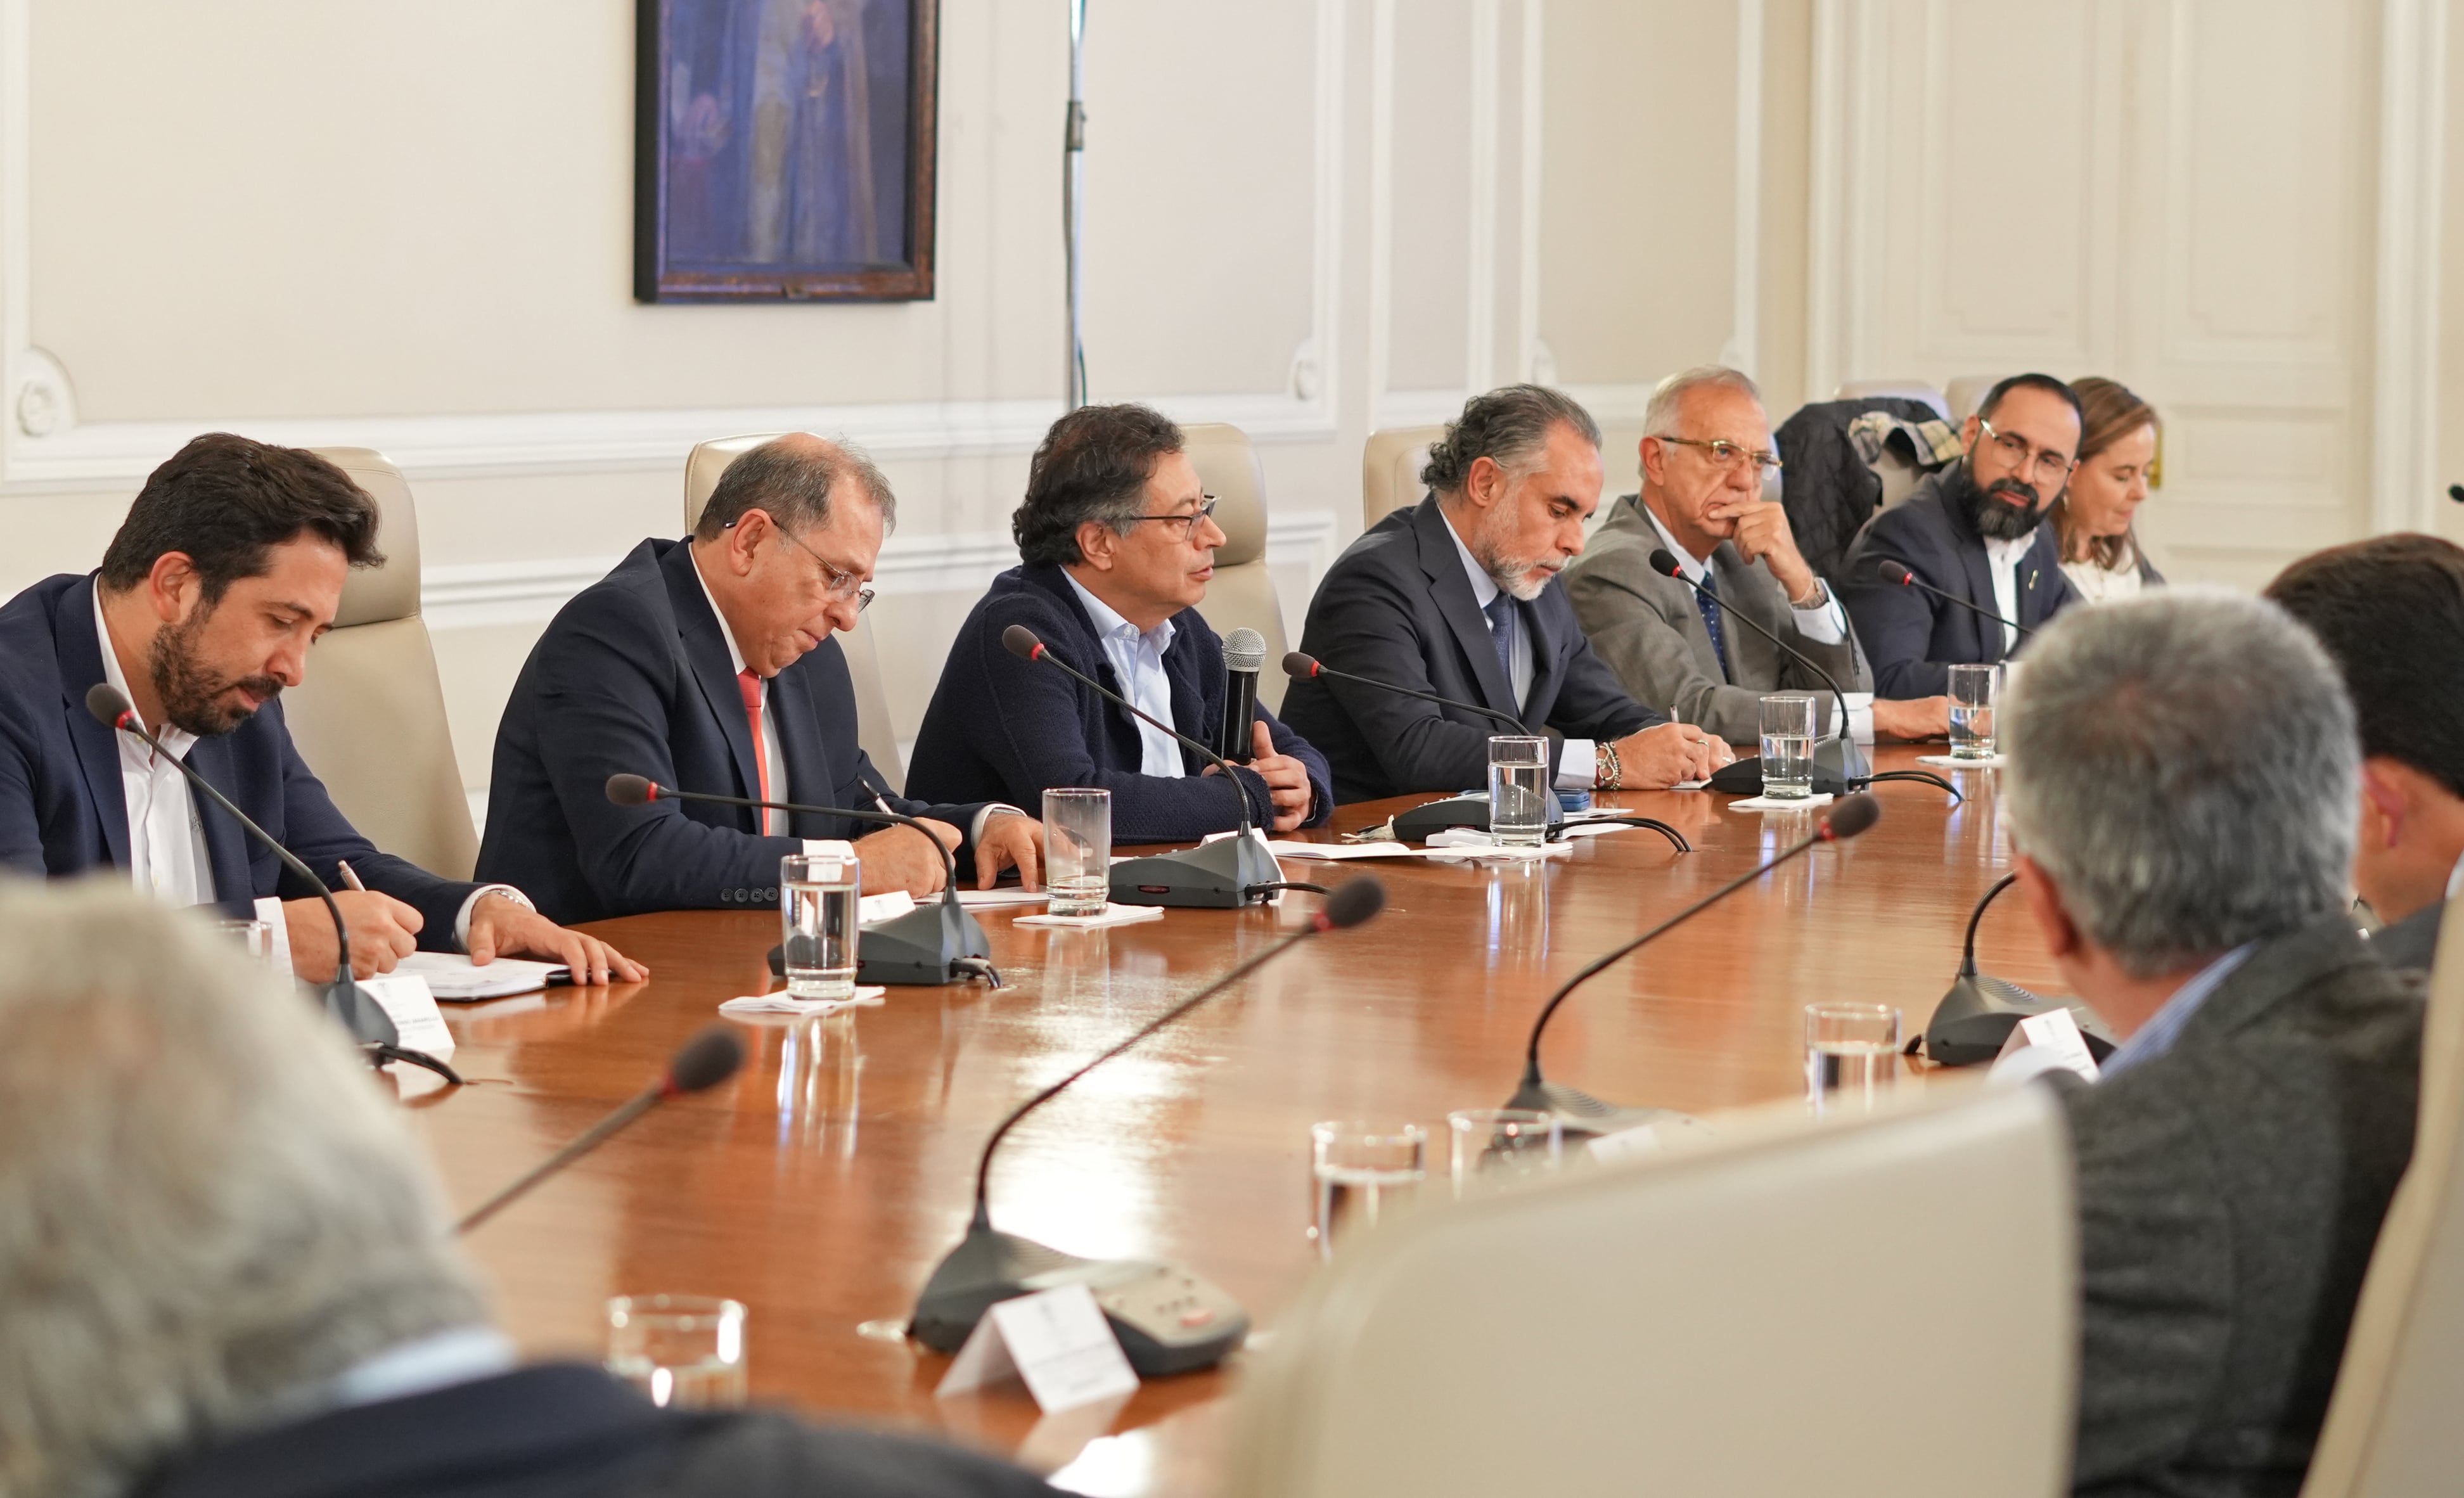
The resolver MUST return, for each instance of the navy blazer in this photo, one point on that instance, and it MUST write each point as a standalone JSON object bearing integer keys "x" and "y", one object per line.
{"x": 63, "y": 810}
{"x": 560, "y": 1430}
{"x": 1914, "y": 638}
{"x": 632, "y": 678}
{"x": 1000, "y": 728}
{"x": 1398, "y": 606}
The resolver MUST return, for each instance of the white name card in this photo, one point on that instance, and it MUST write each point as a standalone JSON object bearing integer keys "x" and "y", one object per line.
{"x": 1057, "y": 1340}
{"x": 2042, "y": 1043}
{"x": 406, "y": 997}
{"x": 1625, "y": 1144}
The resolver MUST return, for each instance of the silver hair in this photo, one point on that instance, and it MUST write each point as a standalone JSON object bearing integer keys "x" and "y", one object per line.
{"x": 2184, "y": 768}
{"x": 206, "y": 1207}
{"x": 793, "y": 482}
{"x": 1669, "y": 397}
{"x": 1510, "y": 427}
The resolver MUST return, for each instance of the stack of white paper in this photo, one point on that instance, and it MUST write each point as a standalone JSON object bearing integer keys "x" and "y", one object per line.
{"x": 452, "y": 975}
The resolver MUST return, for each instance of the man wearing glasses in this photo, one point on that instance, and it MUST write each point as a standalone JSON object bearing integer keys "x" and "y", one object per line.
{"x": 1705, "y": 464}
{"x": 707, "y": 664}
{"x": 1972, "y": 530}
{"x": 1116, "y": 543}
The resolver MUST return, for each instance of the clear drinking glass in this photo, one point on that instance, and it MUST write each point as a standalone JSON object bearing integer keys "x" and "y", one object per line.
{"x": 1788, "y": 746}
{"x": 1359, "y": 1172}
{"x": 1499, "y": 1146}
{"x": 818, "y": 898}
{"x": 1518, "y": 789}
{"x": 686, "y": 1351}
{"x": 1973, "y": 689}
{"x": 1077, "y": 851}
{"x": 255, "y": 937}
{"x": 1852, "y": 1053}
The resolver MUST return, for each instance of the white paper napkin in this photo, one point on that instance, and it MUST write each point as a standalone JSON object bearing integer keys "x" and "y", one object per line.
{"x": 1110, "y": 916}
{"x": 780, "y": 1004}
{"x": 1472, "y": 843}
{"x": 1766, "y": 804}
{"x": 1947, "y": 762}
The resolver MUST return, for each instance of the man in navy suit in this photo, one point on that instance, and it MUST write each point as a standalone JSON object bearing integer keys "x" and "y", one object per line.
{"x": 1974, "y": 530}
{"x": 707, "y": 664}
{"x": 1459, "y": 597}
{"x": 229, "y": 566}
{"x": 1118, "y": 544}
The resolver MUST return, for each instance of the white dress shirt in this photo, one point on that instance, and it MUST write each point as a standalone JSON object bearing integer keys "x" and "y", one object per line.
{"x": 2002, "y": 561}
{"x": 1578, "y": 763}
{"x": 1137, "y": 661}
{"x": 2100, "y": 585}
{"x": 1824, "y": 624}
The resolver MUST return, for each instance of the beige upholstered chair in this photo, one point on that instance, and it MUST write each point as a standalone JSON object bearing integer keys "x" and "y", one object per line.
{"x": 1964, "y": 394}
{"x": 1241, "y": 593}
{"x": 1390, "y": 470}
{"x": 1887, "y": 1306}
{"x": 875, "y": 730}
{"x": 2392, "y": 1428}
{"x": 370, "y": 718}
{"x": 1900, "y": 389}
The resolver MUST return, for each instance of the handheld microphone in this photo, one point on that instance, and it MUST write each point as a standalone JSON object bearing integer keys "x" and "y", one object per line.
{"x": 935, "y": 943}
{"x": 702, "y": 1063}
{"x": 1222, "y": 874}
{"x": 1840, "y": 753}
{"x": 1167, "y": 1318}
{"x": 1890, "y": 572}
{"x": 1244, "y": 651}
{"x": 1579, "y": 1112}
{"x": 1975, "y": 1018}
{"x": 362, "y": 1016}
{"x": 1417, "y": 824}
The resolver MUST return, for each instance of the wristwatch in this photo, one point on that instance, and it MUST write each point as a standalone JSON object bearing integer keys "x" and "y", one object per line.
{"x": 1806, "y": 606}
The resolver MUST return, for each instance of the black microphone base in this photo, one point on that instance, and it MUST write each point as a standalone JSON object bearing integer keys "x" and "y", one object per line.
{"x": 1168, "y": 1319}
{"x": 1219, "y": 876}
{"x": 1975, "y": 1018}
{"x": 1844, "y": 756}
{"x": 1745, "y": 778}
{"x": 355, "y": 1012}
{"x": 1582, "y": 1116}
{"x": 922, "y": 947}
{"x": 1417, "y": 823}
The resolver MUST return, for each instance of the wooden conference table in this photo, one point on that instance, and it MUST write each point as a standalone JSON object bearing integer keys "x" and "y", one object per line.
{"x": 822, "y": 1184}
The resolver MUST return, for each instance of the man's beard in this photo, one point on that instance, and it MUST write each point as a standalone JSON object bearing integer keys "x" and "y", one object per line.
{"x": 190, "y": 694}
{"x": 2005, "y": 510}
{"x": 1511, "y": 573}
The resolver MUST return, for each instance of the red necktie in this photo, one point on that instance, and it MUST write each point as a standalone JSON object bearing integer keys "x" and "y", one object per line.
{"x": 751, "y": 686}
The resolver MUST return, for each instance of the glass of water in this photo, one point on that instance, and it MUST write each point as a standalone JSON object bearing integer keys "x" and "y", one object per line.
{"x": 1788, "y": 746}
{"x": 818, "y": 898}
{"x": 1361, "y": 1172}
{"x": 1499, "y": 1146}
{"x": 1852, "y": 1053}
{"x": 1972, "y": 693}
{"x": 683, "y": 1351}
{"x": 1077, "y": 851}
{"x": 255, "y": 937}
{"x": 1518, "y": 789}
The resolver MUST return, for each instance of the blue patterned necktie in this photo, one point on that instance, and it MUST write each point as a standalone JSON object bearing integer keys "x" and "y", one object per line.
{"x": 1708, "y": 602}
{"x": 1500, "y": 633}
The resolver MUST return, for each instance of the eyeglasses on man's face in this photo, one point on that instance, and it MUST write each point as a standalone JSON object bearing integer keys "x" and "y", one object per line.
{"x": 1729, "y": 457}
{"x": 837, "y": 582}
{"x": 2051, "y": 468}
{"x": 1187, "y": 520}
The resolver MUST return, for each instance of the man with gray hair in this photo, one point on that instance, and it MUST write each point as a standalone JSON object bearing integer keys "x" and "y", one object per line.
{"x": 1694, "y": 652}
{"x": 1458, "y": 598}
{"x": 707, "y": 664}
{"x": 223, "y": 1267}
{"x": 2182, "y": 785}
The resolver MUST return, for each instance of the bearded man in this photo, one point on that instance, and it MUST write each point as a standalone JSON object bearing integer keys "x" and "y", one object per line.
{"x": 1458, "y": 598}
{"x": 1973, "y": 531}
{"x": 230, "y": 565}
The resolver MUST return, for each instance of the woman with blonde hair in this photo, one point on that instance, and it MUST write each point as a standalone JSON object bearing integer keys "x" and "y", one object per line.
{"x": 2101, "y": 552}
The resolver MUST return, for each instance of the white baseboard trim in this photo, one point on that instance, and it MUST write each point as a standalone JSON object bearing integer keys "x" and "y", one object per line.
{"x": 486, "y": 594}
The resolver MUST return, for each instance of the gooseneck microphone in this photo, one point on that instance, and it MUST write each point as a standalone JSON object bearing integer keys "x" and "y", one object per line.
{"x": 1890, "y": 572}
{"x": 1309, "y": 668}
{"x": 935, "y": 943}
{"x": 702, "y": 1063}
{"x": 1417, "y": 824}
{"x": 1167, "y": 1318}
{"x": 1227, "y": 873}
{"x": 1977, "y": 1016}
{"x": 362, "y": 1016}
{"x": 1583, "y": 1114}
{"x": 1840, "y": 753}
{"x": 1244, "y": 652}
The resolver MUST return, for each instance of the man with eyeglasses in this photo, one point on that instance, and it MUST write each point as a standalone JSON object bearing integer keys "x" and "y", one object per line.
{"x": 1974, "y": 531}
{"x": 707, "y": 664}
{"x": 1116, "y": 543}
{"x": 1705, "y": 461}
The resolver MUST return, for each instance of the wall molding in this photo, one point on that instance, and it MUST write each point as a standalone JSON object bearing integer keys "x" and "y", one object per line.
{"x": 2413, "y": 93}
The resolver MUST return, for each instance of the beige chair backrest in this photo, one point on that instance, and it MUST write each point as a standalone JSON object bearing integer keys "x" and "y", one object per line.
{"x": 874, "y": 731}
{"x": 370, "y": 718}
{"x": 1966, "y": 393}
{"x": 1881, "y": 1306}
{"x": 1390, "y": 470}
{"x": 1241, "y": 594}
{"x": 1899, "y": 390}
{"x": 2392, "y": 1427}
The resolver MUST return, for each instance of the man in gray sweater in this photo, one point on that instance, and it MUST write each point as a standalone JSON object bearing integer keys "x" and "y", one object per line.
{"x": 2183, "y": 783}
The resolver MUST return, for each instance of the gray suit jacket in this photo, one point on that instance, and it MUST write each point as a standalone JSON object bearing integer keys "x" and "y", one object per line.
{"x": 1650, "y": 631}
{"x": 2411, "y": 944}
{"x": 2229, "y": 1192}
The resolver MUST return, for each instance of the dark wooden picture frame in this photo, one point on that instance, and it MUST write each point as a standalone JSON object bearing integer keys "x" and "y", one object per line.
{"x": 763, "y": 168}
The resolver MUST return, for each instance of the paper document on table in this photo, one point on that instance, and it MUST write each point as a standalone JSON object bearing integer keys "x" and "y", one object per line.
{"x": 1339, "y": 852}
{"x": 454, "y": 978}
{"x": 1005, "y": 894}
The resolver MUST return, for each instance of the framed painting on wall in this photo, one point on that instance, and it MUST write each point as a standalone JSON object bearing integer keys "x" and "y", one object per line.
{"x": 783, "y": 151}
